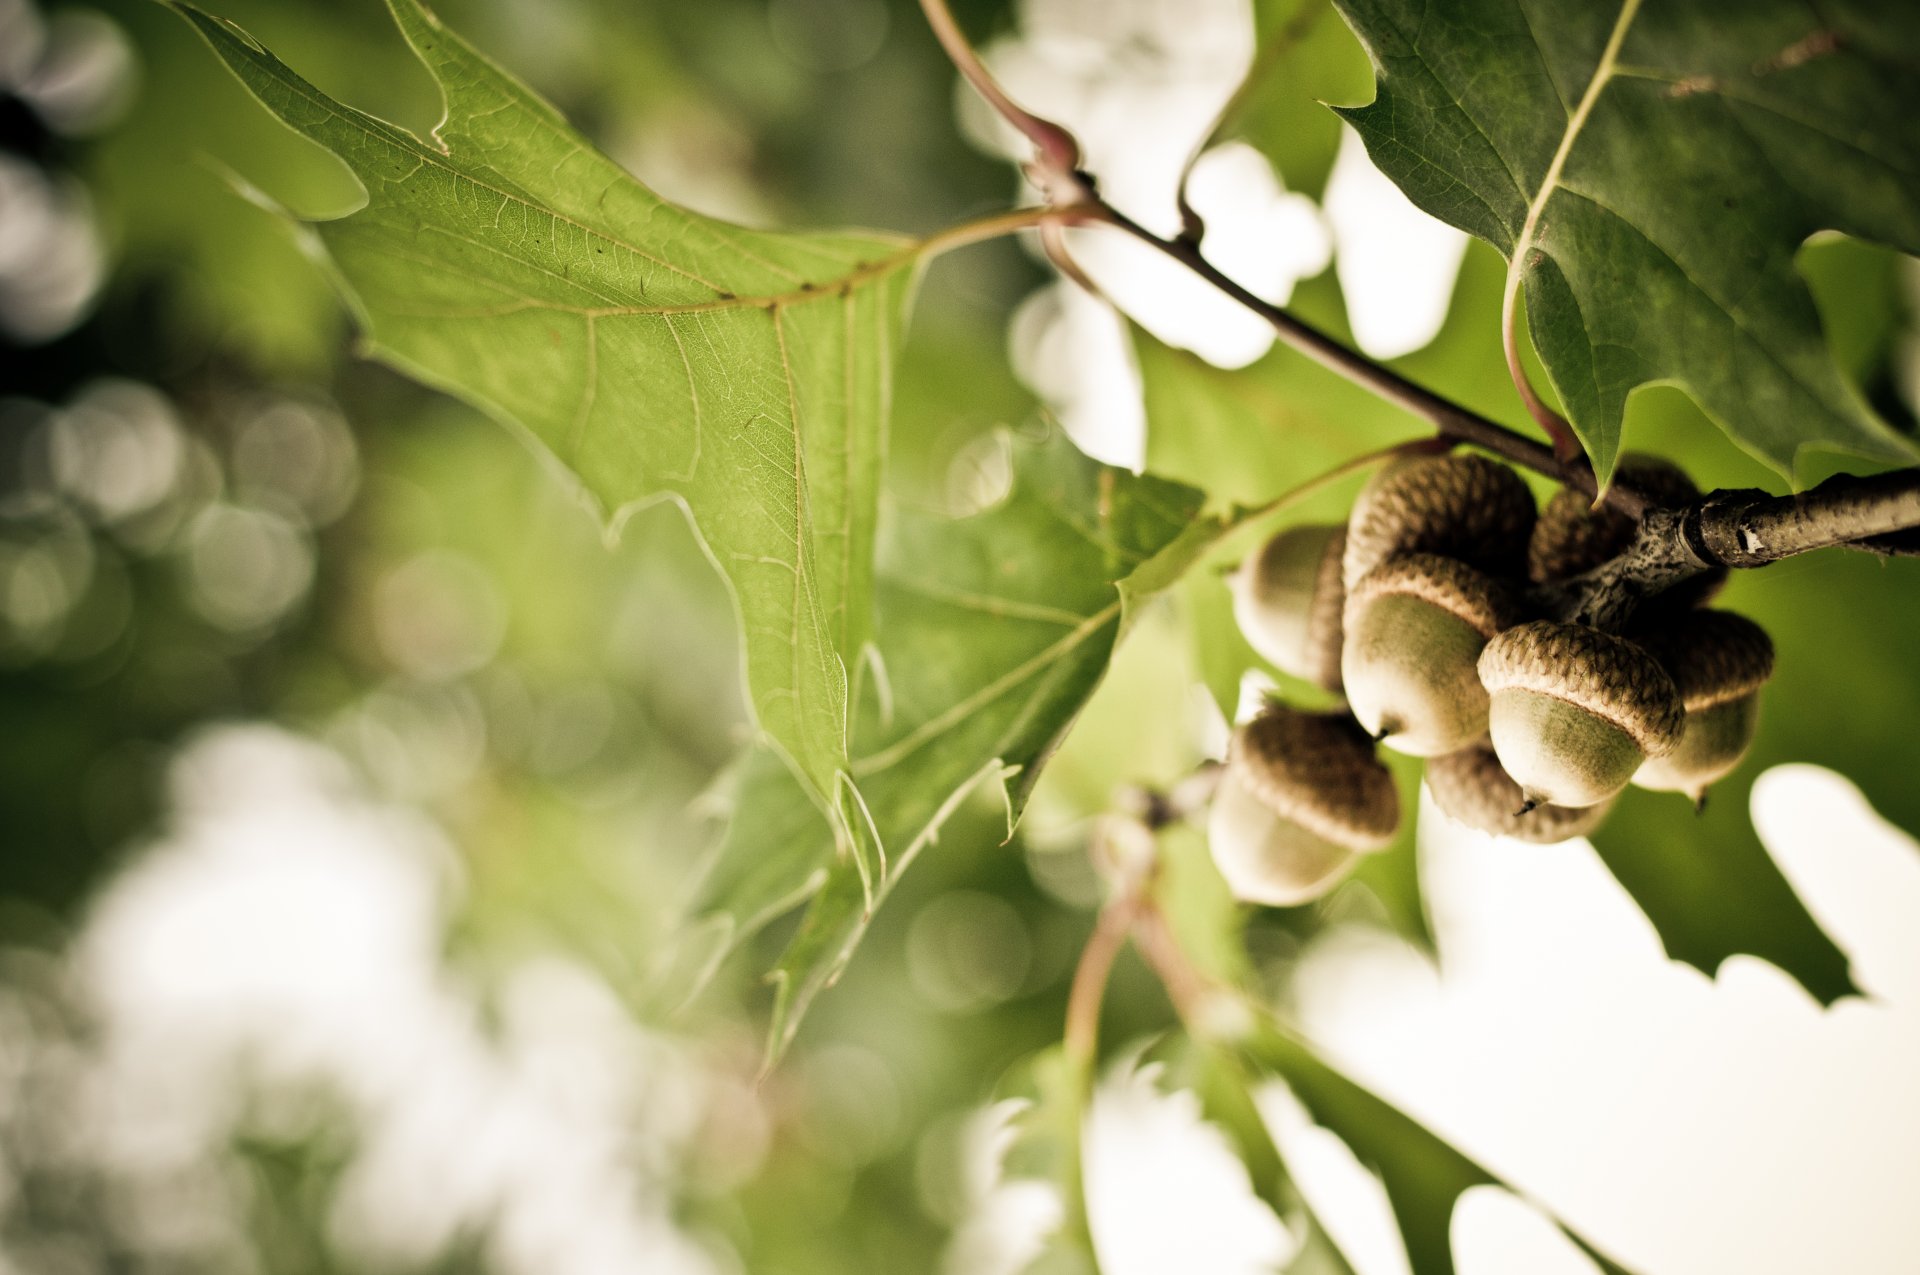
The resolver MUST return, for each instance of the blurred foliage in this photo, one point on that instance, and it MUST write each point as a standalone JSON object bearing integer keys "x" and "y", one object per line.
{"x": 334, "y": 549}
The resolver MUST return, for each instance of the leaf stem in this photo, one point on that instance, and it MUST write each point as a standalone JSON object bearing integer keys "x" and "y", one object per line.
{"x": 1082, "y": 1036}
{"x": 1056, "y": 162}
{"x": 1565, "y": 445}
{"x": 1557, "y": 427}
{"x": 1273, "y": 50}
{"x": 999, "y": 225}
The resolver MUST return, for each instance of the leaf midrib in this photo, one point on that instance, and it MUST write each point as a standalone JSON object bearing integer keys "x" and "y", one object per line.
{"x": 1576, "y": 122}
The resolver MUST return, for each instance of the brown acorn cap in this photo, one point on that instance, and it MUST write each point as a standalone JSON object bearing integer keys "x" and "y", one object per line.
{"x": 1610, "y": 677}
{"x": 1572, "y": 537}
{"x": 1319, "y": 770}
{"x": 1471, "y": 788}
{"x": 1464, "y": 506}
{"x": 1713, "y": 657}
{"x": 1447, "y": 583}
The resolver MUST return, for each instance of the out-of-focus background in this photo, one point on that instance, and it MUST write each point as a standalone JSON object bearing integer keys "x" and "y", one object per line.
{"x": 352, "y": 782}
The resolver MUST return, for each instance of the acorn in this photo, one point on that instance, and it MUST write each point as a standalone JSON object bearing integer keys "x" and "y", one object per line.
{"x": 1718, "y": 662}
{"x": 1470, "y": 787}
{"x": 1572, "y": 537}
{"x": 1574, "y": 711}
{"x": 1302, "y": 797}
{"x": 1287, "y": 599}
{"x": 1415, "y": 627}
{"x": 1465, "y": 507}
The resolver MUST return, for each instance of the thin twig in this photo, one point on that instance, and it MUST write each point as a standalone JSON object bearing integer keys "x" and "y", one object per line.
{"x": 1732, "y": 529}
{"x": 1082, "y": 1036}
{"x": 1740, "y": 529}
{"x": 1446, "y": 416}
{"x": 1056, "y": 152}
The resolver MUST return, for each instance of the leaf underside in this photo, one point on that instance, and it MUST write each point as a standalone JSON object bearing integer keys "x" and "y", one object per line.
{"x": 993, "y": 631}
{"x": 1650, "y": 170}
{"x": 651, "y": 352}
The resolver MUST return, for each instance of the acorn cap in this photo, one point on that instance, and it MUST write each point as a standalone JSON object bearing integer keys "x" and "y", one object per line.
{"x": 1610, "y": 677}
{"x": 1470, "y": 787}
{"x": 1572, "y": 536}
{"x": 1318, "y": 769}
{"x": 1713, "y": 657}
{"x": 1464, "y": 506}
{"x": 1447, "y": 583}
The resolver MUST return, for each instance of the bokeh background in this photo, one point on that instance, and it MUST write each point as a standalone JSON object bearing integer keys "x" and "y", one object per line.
{"x": 352, "y": 782}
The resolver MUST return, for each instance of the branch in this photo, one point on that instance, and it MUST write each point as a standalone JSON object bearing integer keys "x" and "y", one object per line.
{"x": 1743, "y": 529}
{"x": 1082, "y": 1036}
{"x": 1448, "y": 417}
{"x": 1055, "y": 171}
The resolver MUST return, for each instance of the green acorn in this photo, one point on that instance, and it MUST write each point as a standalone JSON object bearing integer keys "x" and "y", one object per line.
{"x": 1301, "y": 798}
{"x": 1470, "y": 787}
{"x": 1573, "y": 711}
{"x": 1718, "y": 662}
{"x": 1415, "y": 627}
{"x": 1287, "y": 600}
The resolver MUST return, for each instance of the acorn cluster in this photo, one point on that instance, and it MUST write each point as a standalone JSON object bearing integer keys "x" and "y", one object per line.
{"x": 1417, "y": 610}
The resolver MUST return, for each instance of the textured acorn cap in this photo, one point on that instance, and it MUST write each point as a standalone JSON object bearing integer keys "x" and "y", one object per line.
{"x": 1290, "y": 612}
{"x": 1447, "y": 583}
{"x": 1610, "y": 677}
{"x": 1319, "y": 770}
{"x": 1572, "y": 536}
{"x": 1713, "y": 657}
{"x": 1465, "y": 507}
{"x": 1471, "y": 788}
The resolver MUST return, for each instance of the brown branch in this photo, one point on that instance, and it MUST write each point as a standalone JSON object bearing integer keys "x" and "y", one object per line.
{"x": 1742, "y": 530}
{"x": 1739, "y": 529}
{"x": 1448, "y": 417}
{"x": 1082, "y": 1037}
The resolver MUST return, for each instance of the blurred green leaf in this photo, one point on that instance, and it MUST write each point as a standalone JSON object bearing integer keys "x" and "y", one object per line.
{"x": 655, "y": 353}
{"x": 1650, "y": 172}
{"x": 1305, "y": 57}
{"x": 992, "y": 633}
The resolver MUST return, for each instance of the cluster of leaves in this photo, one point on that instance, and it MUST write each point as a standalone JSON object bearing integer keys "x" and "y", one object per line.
{"x": 655, "y": 354}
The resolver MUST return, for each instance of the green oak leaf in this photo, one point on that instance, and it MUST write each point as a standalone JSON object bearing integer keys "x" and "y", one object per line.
{"x": 653, "y": 353}
{"x": 1650, "y": 170}
{"x": 993, "y": 631}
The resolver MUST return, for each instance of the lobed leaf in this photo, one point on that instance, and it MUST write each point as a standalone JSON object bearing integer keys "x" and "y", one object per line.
{"x": 1650, "y": 170}
{"x": 653, "y": 353}
{"x": 993, "y": 632}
